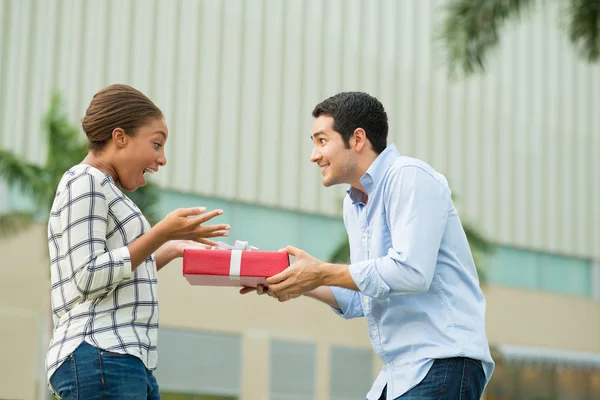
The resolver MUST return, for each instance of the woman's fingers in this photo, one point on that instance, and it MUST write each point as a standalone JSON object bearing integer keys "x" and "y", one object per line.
{"x": 206, "y": 217}
{"x": 189, "y": 212}
{"x": 207, "y": 242}
{"x": 212, "y": 231}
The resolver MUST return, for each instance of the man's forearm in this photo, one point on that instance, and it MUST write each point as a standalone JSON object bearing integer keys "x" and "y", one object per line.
{"x": 164, "y": 256}
{"x": 325, "y": 295}
{"x": 338, "y": 275}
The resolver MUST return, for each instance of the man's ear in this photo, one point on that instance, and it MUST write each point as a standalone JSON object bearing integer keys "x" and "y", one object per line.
{"x": 119, "y": 137}
{"x": 359, "y": 140}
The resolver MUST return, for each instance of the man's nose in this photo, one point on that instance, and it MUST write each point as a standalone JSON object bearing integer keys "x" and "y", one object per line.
{"x": 315, "y": 156}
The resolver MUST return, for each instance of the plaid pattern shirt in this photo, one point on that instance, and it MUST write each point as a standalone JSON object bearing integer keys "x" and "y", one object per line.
{"x": 95, "y": 296}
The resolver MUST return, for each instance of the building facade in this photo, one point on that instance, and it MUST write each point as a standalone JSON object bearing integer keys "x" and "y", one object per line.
{"x": 237, "y": 81}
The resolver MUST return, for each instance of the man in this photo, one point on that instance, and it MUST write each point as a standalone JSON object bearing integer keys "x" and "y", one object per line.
{"x": 411, "y": 275}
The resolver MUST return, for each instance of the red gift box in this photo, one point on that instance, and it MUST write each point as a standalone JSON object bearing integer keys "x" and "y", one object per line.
{"x": 232, "y": 267}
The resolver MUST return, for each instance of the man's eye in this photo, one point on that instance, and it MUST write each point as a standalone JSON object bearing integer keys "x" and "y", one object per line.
{"x": 157, "y": 145}
{"x": 322, "y": 141}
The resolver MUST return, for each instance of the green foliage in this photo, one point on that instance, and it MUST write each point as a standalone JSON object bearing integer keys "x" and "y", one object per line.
{"x": 584, "y": 27}
{"x": 480, "y": 247}
{"x": 147, "y": 198}
{"x": 472, "y": 29}
{"x": 65, "y": 148}
{"x": 14, "y": 222}
{"x": 26, "y": 177}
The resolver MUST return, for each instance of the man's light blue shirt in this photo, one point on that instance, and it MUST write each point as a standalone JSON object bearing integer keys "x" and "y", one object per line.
{"x": 411, "y": 261}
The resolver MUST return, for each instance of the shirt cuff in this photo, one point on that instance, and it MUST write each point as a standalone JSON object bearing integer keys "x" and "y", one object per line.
{"x": 343, "y": 299}
{"x": 123, "y": 255}
{"x": 368, "y": 280}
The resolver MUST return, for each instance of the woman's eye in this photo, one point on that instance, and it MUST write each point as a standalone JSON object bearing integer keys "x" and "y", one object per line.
{"x": 322, "y": 141}
{"x": 157, "y": 145}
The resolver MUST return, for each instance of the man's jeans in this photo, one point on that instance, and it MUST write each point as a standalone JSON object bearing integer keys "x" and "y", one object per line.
{"x": 91, "y": 373}
{"x": 449, "y": 379}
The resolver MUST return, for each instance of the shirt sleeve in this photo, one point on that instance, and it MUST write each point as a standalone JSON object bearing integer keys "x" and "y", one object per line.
{"x": 348, "y": 301}
{"x": 95, "y": 270}
{"x": 417, "y": 207}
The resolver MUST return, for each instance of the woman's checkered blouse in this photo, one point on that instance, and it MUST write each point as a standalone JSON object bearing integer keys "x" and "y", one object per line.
{"x": 95, "y": 296}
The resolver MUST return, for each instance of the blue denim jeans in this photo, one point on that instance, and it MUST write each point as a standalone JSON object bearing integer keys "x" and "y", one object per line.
{"x": 449, "y": 379}
{"x": 90, "y": 373}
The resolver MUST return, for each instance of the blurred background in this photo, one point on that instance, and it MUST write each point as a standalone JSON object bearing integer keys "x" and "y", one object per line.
{"x": 501, "y": 96}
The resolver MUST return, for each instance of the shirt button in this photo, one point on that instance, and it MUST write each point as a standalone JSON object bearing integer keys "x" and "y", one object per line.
{"x": 374, "y": 333}
{"x": 387, "y": 365}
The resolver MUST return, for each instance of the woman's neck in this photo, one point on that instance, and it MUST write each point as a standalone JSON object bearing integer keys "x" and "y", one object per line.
{"x": 98, "y": 162}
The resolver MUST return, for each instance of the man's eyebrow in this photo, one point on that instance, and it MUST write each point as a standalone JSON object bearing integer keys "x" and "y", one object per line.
{"x": 162, "y": 133}
{"x": 314, "y": 135}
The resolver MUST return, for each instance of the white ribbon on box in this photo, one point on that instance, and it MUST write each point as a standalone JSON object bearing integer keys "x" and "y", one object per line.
{"x": 235, "y": 263}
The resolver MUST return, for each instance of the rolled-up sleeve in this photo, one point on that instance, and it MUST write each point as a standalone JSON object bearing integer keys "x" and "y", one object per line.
{"x": 94, "y": 270}
{"x": 348, "y": 301}
{"x": 417, "y": 207}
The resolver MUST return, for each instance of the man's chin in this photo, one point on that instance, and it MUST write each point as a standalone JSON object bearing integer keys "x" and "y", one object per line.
{"x": 328, "y": 182}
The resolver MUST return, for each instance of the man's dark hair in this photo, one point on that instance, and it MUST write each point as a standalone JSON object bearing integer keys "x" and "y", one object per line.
{"x": 353, "y": 110}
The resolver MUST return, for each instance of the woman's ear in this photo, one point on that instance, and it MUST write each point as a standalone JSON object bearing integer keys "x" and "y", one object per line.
{"x": 119, "y": 137}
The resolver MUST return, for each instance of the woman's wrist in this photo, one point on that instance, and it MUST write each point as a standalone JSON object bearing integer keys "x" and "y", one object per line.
{"x": 158, "y": 234}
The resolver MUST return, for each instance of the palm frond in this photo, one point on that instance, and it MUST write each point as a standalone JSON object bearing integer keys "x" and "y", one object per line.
{"x": 471, "y": 29}
{"x": 341, "y": 254}
{"x": 66, "y": 146}
{"x": 476, "y": 240}
{"x": 584, "y": 27}
{"x": 480, "y": 266}
{"x": 27, "y": 177}
{"x": 13, "y": 223}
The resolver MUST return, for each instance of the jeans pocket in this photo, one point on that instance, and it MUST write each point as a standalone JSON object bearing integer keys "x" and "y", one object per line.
{"x": 124, "y": 375}
{"x": 435, "y": 384}
{"x": 63, "y": 382}
{"x": 473, "y": 361}
{"x": 89, "y": 381}
{"x": 473, "y": 380}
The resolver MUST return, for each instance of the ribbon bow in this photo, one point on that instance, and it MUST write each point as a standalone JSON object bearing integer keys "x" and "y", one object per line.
{"x": 235, "y": 263}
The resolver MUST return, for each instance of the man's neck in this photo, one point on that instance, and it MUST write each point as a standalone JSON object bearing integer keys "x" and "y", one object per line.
{"x": 363, "y": 167}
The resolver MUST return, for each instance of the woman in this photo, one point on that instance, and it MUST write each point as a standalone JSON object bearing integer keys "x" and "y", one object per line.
{"x": 104, "y": 254}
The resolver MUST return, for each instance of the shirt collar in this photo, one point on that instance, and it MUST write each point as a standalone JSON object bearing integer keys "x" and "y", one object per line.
{"x": 374, "y": 173}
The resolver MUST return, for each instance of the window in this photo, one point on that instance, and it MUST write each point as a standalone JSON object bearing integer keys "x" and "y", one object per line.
{"x": 186, "y": 396}
{"x": 519, "y": 381}
{"x": 540, "y": 271}
{"x": 351, "y": 373}
{"x": 293, "y": 366}
{"x": 196, "y": 362}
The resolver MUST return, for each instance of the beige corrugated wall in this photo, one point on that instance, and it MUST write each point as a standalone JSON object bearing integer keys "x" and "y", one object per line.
{"x": 237, "y": 81}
